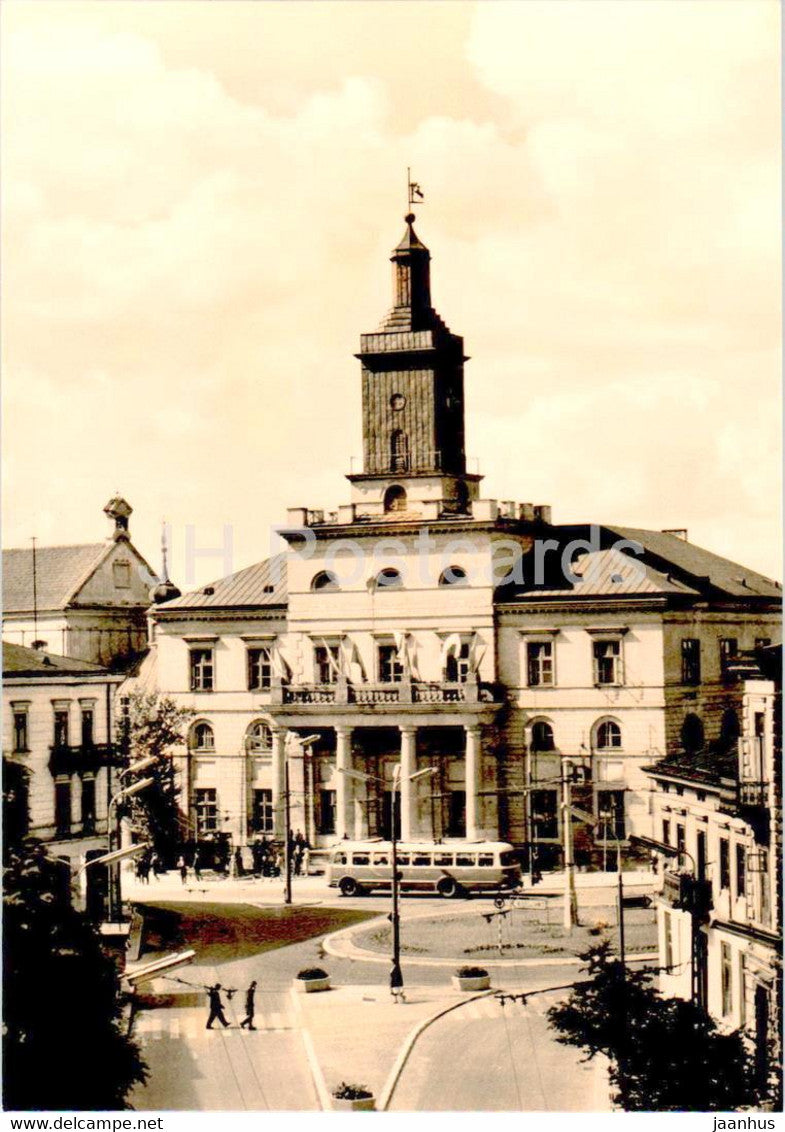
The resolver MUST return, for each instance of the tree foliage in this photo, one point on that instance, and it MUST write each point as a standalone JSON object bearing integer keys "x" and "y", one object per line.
{"x": 63, "y": 1045}
{"x": 153, "y": 725}
{"x": 664, "y": 1054}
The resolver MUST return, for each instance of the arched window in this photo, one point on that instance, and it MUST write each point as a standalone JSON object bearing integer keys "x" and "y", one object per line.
{"x": 692, "y": 732}
{"x": 542, "y": 736}
{"x": 399, "y": 451}
{"x": 395, "y": 498}
{"x": 608, "y": 735}
{"x": 453, "y": 576}
{"x": 259, "y": 737}
{"x": 729, "y": 729}
{"x": 325, "y": 580}
{"x": 389, "y": 579}
{"x": 202, "y": 737}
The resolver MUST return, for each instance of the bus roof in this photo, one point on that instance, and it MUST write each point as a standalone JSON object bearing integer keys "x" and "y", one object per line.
{"x": 412, "y": 846}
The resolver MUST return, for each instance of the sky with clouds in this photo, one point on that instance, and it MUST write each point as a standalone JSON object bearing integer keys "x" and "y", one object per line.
{"x": 200, "y": 201}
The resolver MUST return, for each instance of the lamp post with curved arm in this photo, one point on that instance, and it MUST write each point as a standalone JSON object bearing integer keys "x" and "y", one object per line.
{"x": 396, "y": 975}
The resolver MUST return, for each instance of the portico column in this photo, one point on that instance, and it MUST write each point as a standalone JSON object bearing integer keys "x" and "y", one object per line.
{"x": 408, "y": 765}
{"x": 344, "y": 790}
{"x": 473, "y": 781}
{"x": 279, "y": 782}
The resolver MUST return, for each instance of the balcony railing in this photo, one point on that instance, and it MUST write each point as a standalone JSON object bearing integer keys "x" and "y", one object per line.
{"x": 403, "y": 692}
{"x": 66, "y": 759}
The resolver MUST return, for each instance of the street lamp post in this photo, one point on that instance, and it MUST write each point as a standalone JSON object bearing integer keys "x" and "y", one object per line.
{"x": 113, "y": 832}
{"x": 308, "y": 741}
{"x": 396, "y": 974}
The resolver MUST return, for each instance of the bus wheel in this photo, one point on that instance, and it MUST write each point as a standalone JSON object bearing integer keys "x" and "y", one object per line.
{"x": 447, "y": 887}
{"x": 499, "y": 901}
{"x": 349, "y": 886}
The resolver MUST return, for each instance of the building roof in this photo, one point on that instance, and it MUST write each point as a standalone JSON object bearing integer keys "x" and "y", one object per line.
{"x": 59, "y": 573}
{"x": 708, "y": 766}
{"x": 21, "y": 661}
{"x": 612, "y": 573}
{"x": 260, "y": 585}
{"x": 702, "y": 565}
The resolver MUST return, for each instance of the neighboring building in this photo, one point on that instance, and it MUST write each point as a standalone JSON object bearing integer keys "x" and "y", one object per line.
{"x": 423, "y": 624}
{"x": 58, "y": 728}
{"x": 89, "y": 602}
{"x": 722, "y": 806}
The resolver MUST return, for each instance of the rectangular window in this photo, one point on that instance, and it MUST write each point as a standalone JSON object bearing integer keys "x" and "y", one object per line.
{"x": 610, "y": 811}
{"x": 121, "y": 572}
{"x": 88, "y": 806}
{"x": 390, "y": 667}
{"x": 456, "y": 813}
{"x": 20, "y": 730}
{"x": 680, "y": 842}
{"x": 690, "y": 661}
{"x": 607, "y": 662}
{"x": 87, "y": 726}
{"x": 667, "y": 925}
{"x": 666, "y": 831}
{"x": 729, "y": 648}
{"x": 545, "y": 809}
{"x": 259, "y": 668}
{"x": 724, "y": 863}
{"x": 201, "y": 670}
{"x": 262, "y": 817}
{"x": 742, "y": 989}
{"x": 741, "y": 871}
{"x": 63, "y": 808}
{"x": 326, "y": 821}
{"x": 206, "y": 800}
{"x": 539, "y": 663}
{"x": 326, "y": 663}
{"x": 726, "y": 975}
{"x": 61, "y": 727}
{"x": 456, "y": 669}
{"x": 700, "y": 854}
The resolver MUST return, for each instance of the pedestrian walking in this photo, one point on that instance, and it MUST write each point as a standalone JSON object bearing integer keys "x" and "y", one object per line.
{"x": 181, "y": 865}
{"x": 239, "y": 869}
{"x": 155, "y": 865}
{"x": 216, "y": 1007}
{"x": 197, "y": 866}
{"x": 250, "y": 1007}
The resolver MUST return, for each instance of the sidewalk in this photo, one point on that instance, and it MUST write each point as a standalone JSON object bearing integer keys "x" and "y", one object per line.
{"x": 356, "y": 1033}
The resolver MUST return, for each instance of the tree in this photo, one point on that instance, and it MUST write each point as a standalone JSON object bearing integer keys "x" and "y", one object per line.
{"x": 63, "y": 1044}
{"x": 665, "y": 1054}
{"x": 153, "y": 725}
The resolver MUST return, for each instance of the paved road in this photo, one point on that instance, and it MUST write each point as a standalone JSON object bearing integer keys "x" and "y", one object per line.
{"x": 492, "y": 1058}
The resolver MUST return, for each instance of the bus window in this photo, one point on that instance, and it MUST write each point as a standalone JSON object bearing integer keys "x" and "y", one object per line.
{"x": 485, "y": 860}
{"x": 403, "y": 858}
{"x": 443, "y": 859}
{"x": 339, "y": 859}
{"x": 465, "y": 859}
{"x": 421, "y": 859}
{"x": 381, "y": 859}
{"x": 360, "y": 858}
{"x": 509, "y": 858}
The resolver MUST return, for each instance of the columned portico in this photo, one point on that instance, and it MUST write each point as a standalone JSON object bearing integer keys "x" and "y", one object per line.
{"x": 279, "y": 782}
{"x": 408, "y": 766}
{"x": 344, "y": 793}
{"x": 473, "y": 781}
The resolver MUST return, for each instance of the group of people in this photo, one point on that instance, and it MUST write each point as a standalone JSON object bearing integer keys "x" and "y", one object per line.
{"x": 267, "y": 860}
{"x": 215, "y": 1003}
{"x": 149, "y": 862}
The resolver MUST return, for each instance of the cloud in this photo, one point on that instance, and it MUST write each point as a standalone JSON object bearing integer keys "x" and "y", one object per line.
{"x": 199, "y": 210}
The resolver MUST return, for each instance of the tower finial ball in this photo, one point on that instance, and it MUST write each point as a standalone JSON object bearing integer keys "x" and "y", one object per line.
{"x": 410, "y": 218}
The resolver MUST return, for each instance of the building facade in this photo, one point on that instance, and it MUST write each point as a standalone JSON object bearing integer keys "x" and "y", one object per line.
{"x": 87, "y": 601}
{"x": 720, "y": 809}
{"x": 58, "y": 744}
{"x": 422, "y": 625}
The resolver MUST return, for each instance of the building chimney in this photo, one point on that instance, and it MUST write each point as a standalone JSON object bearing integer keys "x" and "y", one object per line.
{"x": 119, "y": 511}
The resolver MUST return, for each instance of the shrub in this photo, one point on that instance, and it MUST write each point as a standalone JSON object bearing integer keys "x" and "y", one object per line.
{"x": 471, "y": 973}
{"x": 312, "y": 973}
{"x": 347, "y": 1092}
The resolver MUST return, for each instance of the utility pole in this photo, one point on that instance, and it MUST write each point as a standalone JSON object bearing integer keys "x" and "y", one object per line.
{"x": 396, "y": 975}
{"x": 621, "y": 920}
{"x": 287, "y": 855}
{"x": 570, "y": 897}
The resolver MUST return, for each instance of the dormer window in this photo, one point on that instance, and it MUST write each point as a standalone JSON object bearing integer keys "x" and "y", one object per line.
{"x": 389, "y": 579}
{"x": 324, "y": 582}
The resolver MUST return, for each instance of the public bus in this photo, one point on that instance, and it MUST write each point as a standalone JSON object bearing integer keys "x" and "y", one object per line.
{"x": 357, "y": 867}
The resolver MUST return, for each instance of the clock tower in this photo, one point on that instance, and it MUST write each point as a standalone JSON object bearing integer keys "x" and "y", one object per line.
{"x": 412, "y": 395}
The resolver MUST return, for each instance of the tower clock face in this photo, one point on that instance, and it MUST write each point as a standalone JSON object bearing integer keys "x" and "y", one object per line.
{"x": 397, "y": 402}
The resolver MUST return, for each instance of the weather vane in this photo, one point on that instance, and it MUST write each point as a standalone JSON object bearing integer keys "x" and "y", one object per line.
{"x": 416, "y": 195}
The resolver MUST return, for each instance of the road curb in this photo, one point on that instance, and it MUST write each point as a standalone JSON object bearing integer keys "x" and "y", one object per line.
{"x": 340, "y": 946}
{"x": 409, "y": 1043}
{"x": 315, "y": 1069}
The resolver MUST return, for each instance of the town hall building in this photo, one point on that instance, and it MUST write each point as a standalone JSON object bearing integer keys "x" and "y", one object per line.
{"x": 422, "y": 624}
